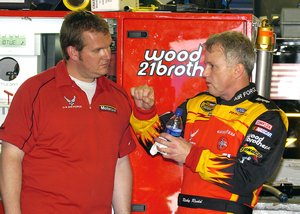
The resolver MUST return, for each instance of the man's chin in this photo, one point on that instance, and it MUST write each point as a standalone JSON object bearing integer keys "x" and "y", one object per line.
{"x": 103, "y": 73}
{"x": 213, "y": 92}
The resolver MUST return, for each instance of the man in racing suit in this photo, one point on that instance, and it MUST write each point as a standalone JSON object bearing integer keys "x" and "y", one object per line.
{"x": 233, "y": 138}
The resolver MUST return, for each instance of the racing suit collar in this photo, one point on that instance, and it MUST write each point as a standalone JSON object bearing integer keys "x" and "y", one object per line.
{"x": 243, "y": 94}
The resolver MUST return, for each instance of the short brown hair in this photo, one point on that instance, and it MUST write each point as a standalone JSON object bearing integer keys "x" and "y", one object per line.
{"x": 74, "y": 24}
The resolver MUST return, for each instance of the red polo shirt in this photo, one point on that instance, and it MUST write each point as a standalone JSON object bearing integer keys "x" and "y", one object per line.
{"x": 71, "y": 147}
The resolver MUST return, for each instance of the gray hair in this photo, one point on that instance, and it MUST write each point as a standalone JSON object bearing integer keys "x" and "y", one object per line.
{"x": 237, "y": 48}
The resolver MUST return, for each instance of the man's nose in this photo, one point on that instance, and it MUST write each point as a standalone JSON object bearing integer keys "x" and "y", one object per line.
{"x": 206, "y": 71}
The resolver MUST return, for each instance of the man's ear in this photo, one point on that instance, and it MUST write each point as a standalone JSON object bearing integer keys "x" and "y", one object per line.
{"x": 73, "y": 53}
{"x": 239, "y": 70}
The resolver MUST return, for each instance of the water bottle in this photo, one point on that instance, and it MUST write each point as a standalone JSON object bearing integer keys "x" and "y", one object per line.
{"x": 174, "y": 126}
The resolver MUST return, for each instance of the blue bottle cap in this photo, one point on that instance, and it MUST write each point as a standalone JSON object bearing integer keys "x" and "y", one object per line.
{"x": 178, "y": 112}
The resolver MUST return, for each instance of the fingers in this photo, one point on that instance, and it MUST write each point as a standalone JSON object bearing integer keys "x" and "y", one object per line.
{"x": 175, "y": 148}
{"x": 143, "y": 96}
{"x": 141, "y": 92}
{"x": 167, "y": 145}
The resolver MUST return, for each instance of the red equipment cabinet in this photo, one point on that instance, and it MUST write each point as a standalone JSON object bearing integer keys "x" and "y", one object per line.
{"x": 163, "y": 50}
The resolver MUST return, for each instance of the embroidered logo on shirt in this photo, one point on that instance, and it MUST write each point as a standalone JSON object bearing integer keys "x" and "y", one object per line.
{"x": 71, "y": 102}
{"x": 193, "y": 134}
{"x": 254, "y": 139}
{"x": 207, "y": 106}
{"x": 264, "y": 124}
{"x": 244, "y": 94}
{"x": 241, "y": 110}
{"x": 251, "y": 151}
{"x": 107, "y": 108}
{"x": 226, "y": 132}
{"x": 262, "y": 100}
{"x": 262, "y": 130}
{"x": 222, "y": 144}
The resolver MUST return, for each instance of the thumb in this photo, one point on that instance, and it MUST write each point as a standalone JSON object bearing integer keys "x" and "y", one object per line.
{"x": 132, "y": 91}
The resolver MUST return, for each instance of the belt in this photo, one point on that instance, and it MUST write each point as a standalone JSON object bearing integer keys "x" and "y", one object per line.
{"x": 192, "y": 201}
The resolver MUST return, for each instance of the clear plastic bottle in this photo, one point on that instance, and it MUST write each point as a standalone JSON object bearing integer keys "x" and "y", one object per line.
{"x": 174, "y": 127}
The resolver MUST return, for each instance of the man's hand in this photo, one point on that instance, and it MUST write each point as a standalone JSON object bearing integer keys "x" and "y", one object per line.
{"x": 143, "y": 96}
{"x": 177, "y": 148}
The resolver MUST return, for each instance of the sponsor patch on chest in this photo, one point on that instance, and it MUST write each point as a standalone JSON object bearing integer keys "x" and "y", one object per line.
{"x": 107, "y": 108}
{"x": 207, "y": 106}
{"x": 222, "y": 143}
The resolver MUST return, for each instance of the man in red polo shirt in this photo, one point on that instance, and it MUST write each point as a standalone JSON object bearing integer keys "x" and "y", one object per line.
{"x": 66, "y": 138}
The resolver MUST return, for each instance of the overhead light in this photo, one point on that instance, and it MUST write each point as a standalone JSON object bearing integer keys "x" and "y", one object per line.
{"x": 292, "y": 114}
{"x": 75, "y": 5}
{"x": 290, "y": 142}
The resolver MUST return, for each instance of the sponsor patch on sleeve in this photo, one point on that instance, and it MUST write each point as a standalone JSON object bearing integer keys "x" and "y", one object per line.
{"x": 264, "y": 124}
{"x": 250, "y": 153}
{"x": 263, "y": 131}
